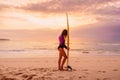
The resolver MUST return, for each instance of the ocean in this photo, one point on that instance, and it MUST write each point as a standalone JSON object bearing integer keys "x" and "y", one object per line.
{"x": 22, "y": 49}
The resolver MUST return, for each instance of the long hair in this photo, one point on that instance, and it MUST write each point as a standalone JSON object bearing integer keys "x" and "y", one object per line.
{"x": 64, "y": 33}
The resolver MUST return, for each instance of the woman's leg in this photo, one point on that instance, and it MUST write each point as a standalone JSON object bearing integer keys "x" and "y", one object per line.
{"x": 64, "y": 59}
{"x": 60, "y": 57}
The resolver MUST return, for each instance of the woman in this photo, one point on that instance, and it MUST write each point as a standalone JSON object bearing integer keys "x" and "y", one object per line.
{"x": 61, "y": 47}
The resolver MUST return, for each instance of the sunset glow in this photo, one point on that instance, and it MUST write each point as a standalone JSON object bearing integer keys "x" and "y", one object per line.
{"x": 15, "y": 16}
{"x": 23, "y": 20}
{"x": 51, "y": 14}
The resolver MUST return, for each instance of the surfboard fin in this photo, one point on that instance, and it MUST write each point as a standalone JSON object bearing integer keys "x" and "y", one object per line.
{"x": 69, "y": 67}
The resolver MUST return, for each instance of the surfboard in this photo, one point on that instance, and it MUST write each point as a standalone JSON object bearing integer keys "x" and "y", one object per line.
{"x": 68, "y": 42}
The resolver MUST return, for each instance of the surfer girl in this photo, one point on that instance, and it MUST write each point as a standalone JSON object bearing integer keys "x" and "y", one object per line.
{"x": 61, "y": 47}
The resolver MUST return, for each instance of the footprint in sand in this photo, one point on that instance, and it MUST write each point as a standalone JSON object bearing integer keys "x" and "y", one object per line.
{"x": 84, "y": 76}
{"x": 18, "y": 74}
{"x": 102, "y": 71}
{"x": 103, "y": 79}
{"x": 74, "y": 70}
{"x": 106, "y": 79}
{"x": 85, "y": 70}
{"x": 30, "y": 77}
{"x": 49, "y": 74}
{"x": 79, "y": 77}
{"x": 0, "y": 69}
{"x": 60, "y": 76}
{"x": 39, "y": 78}
{"x": 54, "y": 70}
{"x": 40, "y": 69}
{"x": 115, "y": 69}
{"x": 98, "y": 79}
{"x": 86, "y": 73}
{"x": 7, "y": 78}
{"x": 44, "y": 78}
{"x": 24, "y": 75}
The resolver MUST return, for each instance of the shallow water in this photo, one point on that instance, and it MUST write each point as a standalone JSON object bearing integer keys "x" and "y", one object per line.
{"x": 34, "y": 48}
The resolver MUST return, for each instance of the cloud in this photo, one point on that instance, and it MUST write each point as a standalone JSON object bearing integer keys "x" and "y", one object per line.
{"x": 60, "y": 6}
{"x": 2, "y": 7}
{"x": 13, "y": 18}
{"x": 106, "y": 32}
{"x": 110, "y": 11}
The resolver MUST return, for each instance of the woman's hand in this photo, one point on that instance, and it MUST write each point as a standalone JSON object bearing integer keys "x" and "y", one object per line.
{"x": 68, "y": 48}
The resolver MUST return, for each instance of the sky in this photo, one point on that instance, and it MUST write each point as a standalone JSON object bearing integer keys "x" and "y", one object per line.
{"x": 88, "y": 19}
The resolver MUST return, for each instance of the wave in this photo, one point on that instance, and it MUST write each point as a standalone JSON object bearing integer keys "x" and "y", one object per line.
{"x": 15, "y": 50}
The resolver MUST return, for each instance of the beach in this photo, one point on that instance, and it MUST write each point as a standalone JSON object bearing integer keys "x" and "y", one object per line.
{"x": 34, "y": 34}
{"x": 85, "y": 67}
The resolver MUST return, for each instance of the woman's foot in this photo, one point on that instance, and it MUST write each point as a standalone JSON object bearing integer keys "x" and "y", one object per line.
{"x": 62, "y": 69}
{"x": 59, "y": 68}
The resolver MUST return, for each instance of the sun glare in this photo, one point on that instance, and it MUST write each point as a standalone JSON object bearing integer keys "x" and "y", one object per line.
{"x": 22, "y": 20}
{"x": 82, "y": 20}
